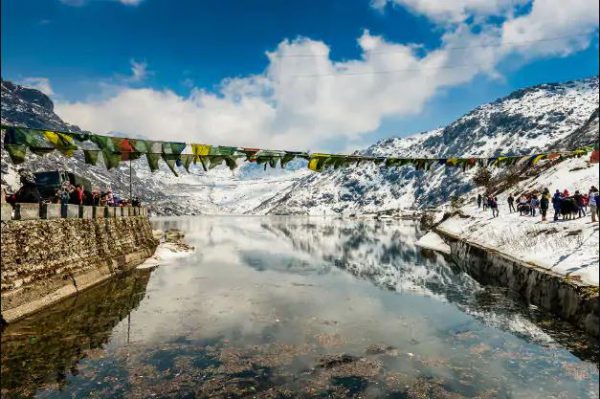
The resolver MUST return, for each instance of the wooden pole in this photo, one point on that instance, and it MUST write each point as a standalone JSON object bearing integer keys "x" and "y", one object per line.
{"x": 130, "y": 184}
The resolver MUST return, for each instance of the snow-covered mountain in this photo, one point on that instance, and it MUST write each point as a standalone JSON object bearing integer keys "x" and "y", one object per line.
{"x": 216, "y": 191}
{"x": 557, "y": 115}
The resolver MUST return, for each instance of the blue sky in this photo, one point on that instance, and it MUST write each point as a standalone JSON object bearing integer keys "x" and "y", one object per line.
{"x": 199, "y": 69}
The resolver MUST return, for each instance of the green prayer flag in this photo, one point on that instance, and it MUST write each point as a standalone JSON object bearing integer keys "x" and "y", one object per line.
{"x": 79, "y": 136}
{"x": 230, "y": 162}
{"x": 33, "y": 139}
{"x": 153, "y": 150}
{"x": 16, "y": 152}
{"x": 186, "y": 160}
{"x": 204, "y": 162}
{"x": 152, "y": 159}
{"x": 223, "y": 150}
{"x": 170, "y": 154}
{"x": 111, "y": 156}
{"x": 91, "y": 156}
{"x": 111, "y": 159}
{"x": 289, "y": 156}
{"x": 214, "y": 161}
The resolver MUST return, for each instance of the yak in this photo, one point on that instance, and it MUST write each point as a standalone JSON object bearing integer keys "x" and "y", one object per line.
{"x": 568, "y": 208}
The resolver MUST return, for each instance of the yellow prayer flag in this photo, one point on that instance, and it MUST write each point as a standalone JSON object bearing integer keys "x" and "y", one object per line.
{"x": 315, "y": 161}
{"x": 62, "y": 142}
{"x": 201, "y": 149}
{"x": 537, "y": 159}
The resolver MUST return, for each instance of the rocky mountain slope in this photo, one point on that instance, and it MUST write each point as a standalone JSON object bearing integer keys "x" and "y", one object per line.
{"x": 217, "y": 191}
{"x": 558, "y": 116}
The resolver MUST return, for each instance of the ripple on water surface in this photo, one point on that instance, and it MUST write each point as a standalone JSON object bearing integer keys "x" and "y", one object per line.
{"x": 296, "y": 307}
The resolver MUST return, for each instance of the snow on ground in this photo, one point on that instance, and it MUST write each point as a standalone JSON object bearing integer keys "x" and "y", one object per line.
{"x": 433, "y": 241}
{"x": 567, "y": 247}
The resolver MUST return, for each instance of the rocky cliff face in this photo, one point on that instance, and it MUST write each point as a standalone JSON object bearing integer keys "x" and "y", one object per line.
{"x": 531, "y": 120}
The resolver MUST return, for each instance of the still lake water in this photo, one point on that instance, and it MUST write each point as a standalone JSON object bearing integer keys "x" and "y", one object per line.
{"x": 296, "y": 307}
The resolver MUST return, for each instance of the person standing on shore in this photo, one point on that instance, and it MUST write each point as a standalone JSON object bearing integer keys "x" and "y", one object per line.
{"x": 511, "y": 203}
{"x": 593, "y": 198}
{"x": 556, "y": 198}
{"x": 534, "y": 203}
{"x": 579, "y": 201}
{"x": 493, "y": 204}
{"x": 479, "y": 199}
{"x": 544, "y": 203}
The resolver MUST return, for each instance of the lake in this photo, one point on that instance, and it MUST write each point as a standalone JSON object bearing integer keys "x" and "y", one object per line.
{"x": 297, "y": 307}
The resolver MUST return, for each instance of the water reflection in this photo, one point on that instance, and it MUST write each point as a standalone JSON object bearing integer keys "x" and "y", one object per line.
{"x": 46, "y": 348}
{"x": 298, "y": 307}
{"x": 385, "y": 253}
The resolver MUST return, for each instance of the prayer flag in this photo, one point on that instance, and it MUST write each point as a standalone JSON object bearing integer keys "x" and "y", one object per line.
{"x": 62, "y": 142}
{"x": 91, "y": 156}
{"x": 171, "y": 152}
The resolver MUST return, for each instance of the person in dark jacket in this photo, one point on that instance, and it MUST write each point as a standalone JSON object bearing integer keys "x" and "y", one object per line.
{"x": 479, "y": 199}
{"x": 579, "y": 201}
{"x": 511, "y": 203}
{"x": 556, "y": 198}
{"x": 544, "y": 203}
{"x": 493, "y": 204}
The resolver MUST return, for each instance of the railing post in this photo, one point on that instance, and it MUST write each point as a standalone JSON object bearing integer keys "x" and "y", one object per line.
{"x": 43, "y": 211}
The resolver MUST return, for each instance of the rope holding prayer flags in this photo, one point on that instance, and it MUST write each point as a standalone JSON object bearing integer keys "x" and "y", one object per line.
{"x": 18, "y": 140}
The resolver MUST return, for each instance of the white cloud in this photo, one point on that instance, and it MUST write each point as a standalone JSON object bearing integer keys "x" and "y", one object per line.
{"x": 446, "y": 11}
{"x": 38, "y": 83}
{"x": 304, "y": 99}
{"x": 571, "y": 27}
{"x": 139, "y": 71}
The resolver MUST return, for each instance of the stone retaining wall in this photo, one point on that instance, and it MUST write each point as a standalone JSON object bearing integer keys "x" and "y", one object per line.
{"x": 46, "y": 260}
{"x": 55, "y": 211}
{"x": 569, "y": 299}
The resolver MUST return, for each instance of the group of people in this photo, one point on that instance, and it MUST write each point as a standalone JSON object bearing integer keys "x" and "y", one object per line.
{"x": 71, "y": 194}
{"x": 490, "y": 201}
{"x": 68, "y": 193}
{"x": 564, "y": 204}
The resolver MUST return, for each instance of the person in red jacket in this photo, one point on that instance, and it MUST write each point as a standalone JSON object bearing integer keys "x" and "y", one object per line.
{"x": 78, "y": 195}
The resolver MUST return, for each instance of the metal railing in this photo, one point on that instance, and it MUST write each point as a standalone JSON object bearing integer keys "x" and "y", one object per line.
{"x": 70, "y": 211}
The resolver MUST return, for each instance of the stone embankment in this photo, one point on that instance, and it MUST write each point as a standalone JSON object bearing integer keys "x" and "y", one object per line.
{"x": 568, "y": 298}
{"x": 47, "y": 260}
